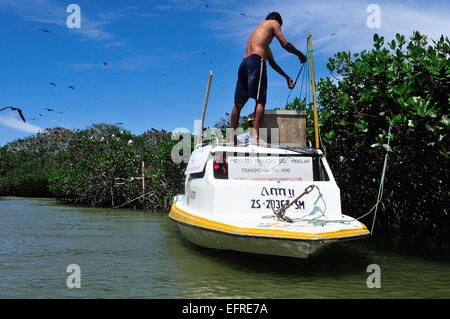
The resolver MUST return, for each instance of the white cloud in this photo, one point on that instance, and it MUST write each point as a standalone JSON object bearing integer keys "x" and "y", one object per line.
{"x": 51, "y": 12}
{"x": 346, "y": 19}
{"x": 17, "y": 124}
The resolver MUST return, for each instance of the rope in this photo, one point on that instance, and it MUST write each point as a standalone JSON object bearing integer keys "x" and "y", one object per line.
{"x": 260, "y": 79}
{"x": 295, "y": 83}
{"x": 381, "y": 188}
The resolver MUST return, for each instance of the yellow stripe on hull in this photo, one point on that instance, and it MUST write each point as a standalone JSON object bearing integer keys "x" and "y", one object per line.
{"x": 181, "y": 216}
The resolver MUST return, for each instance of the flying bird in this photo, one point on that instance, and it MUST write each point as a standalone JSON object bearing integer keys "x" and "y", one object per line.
{"x": 49, "y": 110}
{"x": 71, "y": 87}
{"x": 333, "y": 34}
{"x": 105, "y": 64}
{"x": 243, "y": 14}
{"x": 53, "y": 84}
{"x": 46, "y": 31}
{"x": 119, "y": 123}
{"x": 16, "y": 110}
{"x": 164, "y": 74}
{"x": 207, "y": 6}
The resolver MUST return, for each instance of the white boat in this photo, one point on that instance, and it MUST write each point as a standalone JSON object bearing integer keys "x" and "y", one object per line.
{"x": 279, "y": 200}
{"x": 233, "y": 196}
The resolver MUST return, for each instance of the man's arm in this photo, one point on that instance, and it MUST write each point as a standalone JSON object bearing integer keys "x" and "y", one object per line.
{"x": 279, "y": 70}
{"x": 287, "y": 45}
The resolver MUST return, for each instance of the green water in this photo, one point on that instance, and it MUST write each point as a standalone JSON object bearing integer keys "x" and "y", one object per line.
{"x": 129, "y": 254}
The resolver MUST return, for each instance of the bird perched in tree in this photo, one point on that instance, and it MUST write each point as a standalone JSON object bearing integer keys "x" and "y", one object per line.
{"x": 16, "y": 109}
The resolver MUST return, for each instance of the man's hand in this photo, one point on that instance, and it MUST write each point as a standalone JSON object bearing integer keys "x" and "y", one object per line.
{"x": 290, "y": 83}
{"x": 302, "y": 58}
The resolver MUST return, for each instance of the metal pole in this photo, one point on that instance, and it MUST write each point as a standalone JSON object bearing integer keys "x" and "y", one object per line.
{"x": 313, "y": 87}
{"x": 205, "y": 105}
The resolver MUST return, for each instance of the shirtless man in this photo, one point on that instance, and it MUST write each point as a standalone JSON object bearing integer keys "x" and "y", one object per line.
{"x": 252, "y": 75}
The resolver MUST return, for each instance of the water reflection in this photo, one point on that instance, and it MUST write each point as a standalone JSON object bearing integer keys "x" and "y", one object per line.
{"x": 132, "y": 254}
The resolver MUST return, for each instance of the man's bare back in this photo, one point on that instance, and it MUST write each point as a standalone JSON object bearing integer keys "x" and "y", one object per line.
{"x": 260, "y": 39}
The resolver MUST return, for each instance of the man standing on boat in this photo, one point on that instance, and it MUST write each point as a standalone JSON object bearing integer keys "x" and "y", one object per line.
{"x": 252, "y": 75}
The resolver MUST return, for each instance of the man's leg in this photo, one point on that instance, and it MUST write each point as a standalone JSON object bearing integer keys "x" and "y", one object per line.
{"x": 235, "y": 114}
{"x": 259, "y": 114}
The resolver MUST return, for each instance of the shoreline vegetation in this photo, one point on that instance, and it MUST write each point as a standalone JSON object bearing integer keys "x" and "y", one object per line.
{"x": 402, "y": 84}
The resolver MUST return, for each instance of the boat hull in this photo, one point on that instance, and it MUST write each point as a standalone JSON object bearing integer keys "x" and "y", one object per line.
{"x": 257, "y": 245}
{"x": 210, "y": 234}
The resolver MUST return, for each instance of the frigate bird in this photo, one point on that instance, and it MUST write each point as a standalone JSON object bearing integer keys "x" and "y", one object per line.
{"x": 16, "y": 109}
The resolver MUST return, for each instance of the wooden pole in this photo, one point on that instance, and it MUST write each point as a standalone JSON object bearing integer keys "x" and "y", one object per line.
{"x": 205, "y": 105}
{"x": 143, "y": 185}
{"x": 313, "y": 87}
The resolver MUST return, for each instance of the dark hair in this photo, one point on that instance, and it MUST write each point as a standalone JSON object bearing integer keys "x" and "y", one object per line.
{"x": 275, "y": 16}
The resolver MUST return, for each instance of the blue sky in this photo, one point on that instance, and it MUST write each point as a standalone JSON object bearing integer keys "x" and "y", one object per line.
{"x": 159, "y": 54}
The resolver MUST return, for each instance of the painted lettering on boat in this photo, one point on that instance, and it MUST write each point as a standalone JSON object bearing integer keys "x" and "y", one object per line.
{"x": 277, "y": 191}
{"x": 274, "y": 204}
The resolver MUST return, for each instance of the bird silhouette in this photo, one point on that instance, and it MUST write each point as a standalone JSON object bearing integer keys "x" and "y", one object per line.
{"x": 53, "y": 83}
{"x": 164, "y": 74}
{"x": 207, "y": 6}
{"x": 105, "y": 63}
{"x": 16, "y": 109}
{"x": 49, "y": 110}
{"x": 333, "y": 34}
{"x": 71, "y": 87}
{"x": 243, "y": 14}
{"x": 40, "y": 114}
{"x": 46, "y": 31}
{"x": 119, "y": 123}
